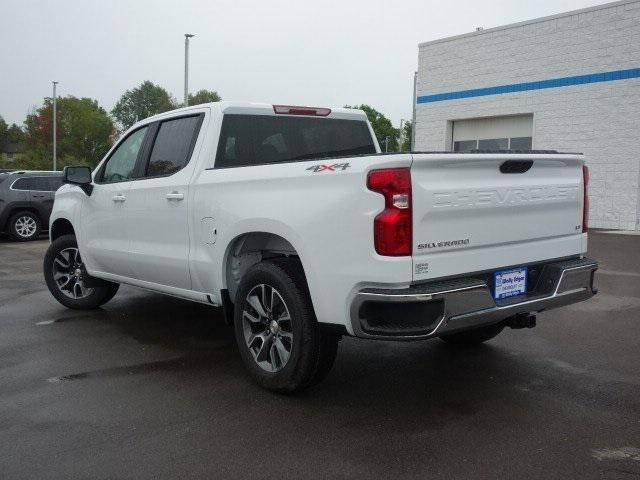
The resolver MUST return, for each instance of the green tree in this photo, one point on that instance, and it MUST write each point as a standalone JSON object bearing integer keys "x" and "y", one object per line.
{"x": 84, "y": 131}
{"x": 406, "y": 136}
{"x": 26, "y": 161}
{"x": 4, "y": 128}
{"x": 141, "y": 102}
{"x": 382, "y": 127}
{"x": 203, "y": 96}
{"x": 15, "y": 134}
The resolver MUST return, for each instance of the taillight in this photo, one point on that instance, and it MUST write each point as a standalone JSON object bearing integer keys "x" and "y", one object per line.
{"x": 393, "y": 227}
{"x": 585, "y": 198}
{"x": 295, "y": 110}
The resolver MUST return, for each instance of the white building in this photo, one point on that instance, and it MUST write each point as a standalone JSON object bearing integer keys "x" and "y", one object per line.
{"x": 569, "y": 82}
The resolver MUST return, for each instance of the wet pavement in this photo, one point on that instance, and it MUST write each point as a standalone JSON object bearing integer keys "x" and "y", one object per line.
{"x": 153, "y": 387}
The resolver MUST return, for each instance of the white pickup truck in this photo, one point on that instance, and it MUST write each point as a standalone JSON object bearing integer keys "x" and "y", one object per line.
{"x": 292, "y": 220}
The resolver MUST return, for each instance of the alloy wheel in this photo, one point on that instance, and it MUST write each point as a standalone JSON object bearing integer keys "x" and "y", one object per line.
{"x": 266, "y": 323}
{"x": 26, "y": 226}
{"x": 69, "y": 274}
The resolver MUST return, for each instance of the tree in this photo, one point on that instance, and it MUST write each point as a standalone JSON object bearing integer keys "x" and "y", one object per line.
{"x": 4, "y": 128}
{"x": 382, "y": 127}
{"x": 15, "y": 135}
{"x": 406, "y": 136}
{"x": 203, "y": 96}
{"x": 141, "y": 102}
{"x": 83, "y": 134}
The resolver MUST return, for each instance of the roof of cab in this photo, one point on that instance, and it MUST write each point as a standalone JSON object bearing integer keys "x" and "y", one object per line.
{"x": 250, "y": 108}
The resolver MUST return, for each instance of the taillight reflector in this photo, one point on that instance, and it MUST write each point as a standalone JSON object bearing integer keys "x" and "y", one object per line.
{"x": 296, "y": 110}
{"x": 393, "y": 227}
{"x": 585, "y": 198}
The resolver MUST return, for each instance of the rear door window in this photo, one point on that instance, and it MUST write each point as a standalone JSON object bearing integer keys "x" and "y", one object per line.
{"x": 263, "y": 139}
{"x": 23, "y": 184}
{"x": 173, "y": 145}
{"x": 38, "y": 184}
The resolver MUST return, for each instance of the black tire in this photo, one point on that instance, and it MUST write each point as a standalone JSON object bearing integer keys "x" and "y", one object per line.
{"x": 473, "y": 337}
{"x": 312, "y": 351}
{"x": 24, "y": 226}
{"x": 100, "y": 291}
{"x": 329, "y": 343}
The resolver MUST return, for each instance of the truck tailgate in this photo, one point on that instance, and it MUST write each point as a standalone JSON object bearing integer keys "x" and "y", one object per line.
{"x": 484, "y": 211}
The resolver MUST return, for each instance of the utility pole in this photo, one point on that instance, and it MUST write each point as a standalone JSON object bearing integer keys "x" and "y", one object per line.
{"x": 187, "y": 36}
{"x": 55, "y": 126}
{"x": 401, "y": 136}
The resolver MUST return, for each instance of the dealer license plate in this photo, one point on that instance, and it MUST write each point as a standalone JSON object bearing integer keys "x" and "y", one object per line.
{"x": 509, "y": 283}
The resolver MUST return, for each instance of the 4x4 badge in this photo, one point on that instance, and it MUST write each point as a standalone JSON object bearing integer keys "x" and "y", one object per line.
{"x": 329, "y": 168}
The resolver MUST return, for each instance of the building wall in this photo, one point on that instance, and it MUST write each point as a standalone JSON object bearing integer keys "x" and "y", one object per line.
{"x": 600, "y": 119}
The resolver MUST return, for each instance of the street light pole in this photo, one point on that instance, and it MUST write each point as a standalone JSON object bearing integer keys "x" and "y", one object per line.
{"x": 413, "y": 117}
{"x": 55, "y": 126}
{"x": 187, "y": 36}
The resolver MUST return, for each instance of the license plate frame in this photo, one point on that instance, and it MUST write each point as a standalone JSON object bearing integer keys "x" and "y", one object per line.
{"x": 510, "y": 283}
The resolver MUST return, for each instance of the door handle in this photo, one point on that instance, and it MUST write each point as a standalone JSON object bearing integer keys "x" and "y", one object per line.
{"x": 175, "y": 196}
{"x": 119, "y": 198}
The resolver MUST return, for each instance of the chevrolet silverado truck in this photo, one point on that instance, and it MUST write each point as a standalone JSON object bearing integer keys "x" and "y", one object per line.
{"x": 292, "y": 220}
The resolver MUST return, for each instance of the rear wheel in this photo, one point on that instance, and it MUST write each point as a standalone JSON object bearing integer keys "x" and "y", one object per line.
{"x": 279, "y": 338}
{"x": 24, "y": 226}
{"x": 67, "y": 278}
{"x": 473, "y": 337}
{"x": 328, "y": 351}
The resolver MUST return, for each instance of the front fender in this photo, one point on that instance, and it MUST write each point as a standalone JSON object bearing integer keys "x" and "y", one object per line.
{"x": 66, "y": 205}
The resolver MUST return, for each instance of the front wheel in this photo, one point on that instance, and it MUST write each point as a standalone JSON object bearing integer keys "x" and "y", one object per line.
{"x": 279, "y": 338}
{"x": 67, "y": 278}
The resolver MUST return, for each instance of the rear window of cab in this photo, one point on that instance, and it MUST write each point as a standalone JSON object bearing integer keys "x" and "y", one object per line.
{"x": 247, "y": 140}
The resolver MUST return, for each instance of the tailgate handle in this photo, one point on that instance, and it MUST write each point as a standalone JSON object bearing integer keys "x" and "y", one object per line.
{"x": 516, "y": 166}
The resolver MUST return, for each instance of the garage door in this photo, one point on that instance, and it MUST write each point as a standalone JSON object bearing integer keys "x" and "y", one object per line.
{"x": 495, "y": 133}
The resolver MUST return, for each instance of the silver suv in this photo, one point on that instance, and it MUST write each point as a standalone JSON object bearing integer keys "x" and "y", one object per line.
{"x": 26, "y": 199}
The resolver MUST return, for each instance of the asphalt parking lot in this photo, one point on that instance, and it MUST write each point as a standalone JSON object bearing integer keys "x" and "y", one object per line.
{"x": 152, "y": 387}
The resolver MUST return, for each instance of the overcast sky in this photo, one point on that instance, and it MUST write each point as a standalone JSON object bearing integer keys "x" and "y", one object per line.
{"x": 320, "y": 53}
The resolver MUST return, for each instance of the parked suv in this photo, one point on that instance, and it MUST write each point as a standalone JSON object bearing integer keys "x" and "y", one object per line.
{"x": 26, "y": 200}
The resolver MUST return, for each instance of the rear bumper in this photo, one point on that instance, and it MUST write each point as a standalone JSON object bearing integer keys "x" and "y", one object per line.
{"x": 449, "y": 306}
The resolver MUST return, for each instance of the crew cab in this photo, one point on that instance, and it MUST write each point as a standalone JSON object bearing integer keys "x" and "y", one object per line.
{"x": 292, "y": 220}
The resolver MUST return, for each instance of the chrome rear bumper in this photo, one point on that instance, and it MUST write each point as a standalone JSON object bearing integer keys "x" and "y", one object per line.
{"x": 441, "y": 307}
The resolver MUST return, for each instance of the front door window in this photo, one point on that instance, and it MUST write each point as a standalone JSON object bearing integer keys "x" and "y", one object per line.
{"x": 121, "y": 164}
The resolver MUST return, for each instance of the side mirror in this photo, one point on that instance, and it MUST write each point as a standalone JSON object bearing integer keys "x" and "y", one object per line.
{"x": 80, "y": 176}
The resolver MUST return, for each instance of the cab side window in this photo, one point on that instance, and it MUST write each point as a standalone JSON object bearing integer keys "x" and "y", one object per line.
{"x": 121, "y": 164}
{"x": 173, "y": 146}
